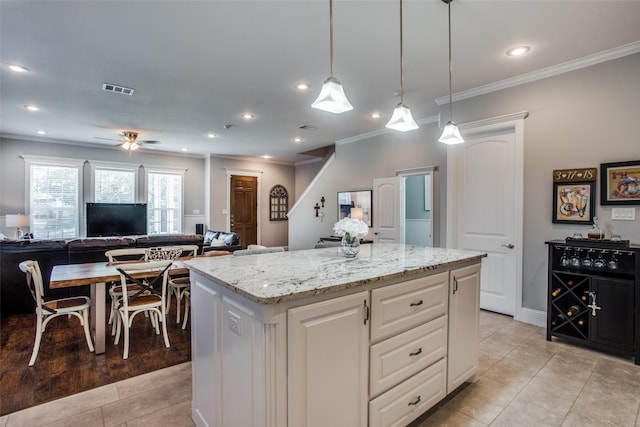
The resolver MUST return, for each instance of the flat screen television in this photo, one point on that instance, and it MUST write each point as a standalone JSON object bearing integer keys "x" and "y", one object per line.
{"x": 116, "y": 219}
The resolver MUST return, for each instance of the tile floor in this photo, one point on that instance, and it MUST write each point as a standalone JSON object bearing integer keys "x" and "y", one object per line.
{"x": 525, "y": 381}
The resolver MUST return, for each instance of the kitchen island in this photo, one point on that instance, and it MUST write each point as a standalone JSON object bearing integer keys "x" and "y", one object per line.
{"x": 309, "y": 338}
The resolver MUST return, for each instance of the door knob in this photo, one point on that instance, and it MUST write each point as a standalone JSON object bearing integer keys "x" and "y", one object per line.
{"x": 509, "y": 246}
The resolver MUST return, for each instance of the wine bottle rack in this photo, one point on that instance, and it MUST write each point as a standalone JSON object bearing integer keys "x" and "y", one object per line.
{"x": 593, "y": 290}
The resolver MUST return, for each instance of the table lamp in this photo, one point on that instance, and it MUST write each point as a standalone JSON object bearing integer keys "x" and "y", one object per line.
{"x": 17, "y": 221}
{"x": 356, "y": 213}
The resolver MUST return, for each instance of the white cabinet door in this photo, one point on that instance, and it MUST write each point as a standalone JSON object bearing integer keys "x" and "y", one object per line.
{"x": 328, "y": 362}
{"x": 464, "y": 319}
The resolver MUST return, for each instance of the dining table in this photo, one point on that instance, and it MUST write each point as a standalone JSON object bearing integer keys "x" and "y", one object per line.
{"x": 97, "y": 275}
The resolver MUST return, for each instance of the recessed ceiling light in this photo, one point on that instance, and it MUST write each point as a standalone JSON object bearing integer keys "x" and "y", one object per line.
{"x": 32, "y": 107}
{"x": 297, "y": 139}
{"x": 184, "y": 149}
{"x": 266, "y": 157}
{"x": 302, "y": 86}
{"x": 211, "y": 135}
{"x": 376, "y": 115}
{"x": 247, "y": 116}
{"x": 517, "y": 51}
{"x": 41, "y": 132}
{"x": 18, "y": 68}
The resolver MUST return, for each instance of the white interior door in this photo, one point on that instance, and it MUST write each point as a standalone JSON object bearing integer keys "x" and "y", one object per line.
{"x": 484, "y": 185}
{"x": 386, "y": 211}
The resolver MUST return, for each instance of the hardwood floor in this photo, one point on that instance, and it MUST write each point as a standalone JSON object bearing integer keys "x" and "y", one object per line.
{"x": 65, "y": 366}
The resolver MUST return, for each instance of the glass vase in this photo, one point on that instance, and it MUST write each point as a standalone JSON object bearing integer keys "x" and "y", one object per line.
{"x": 350, "y": 246}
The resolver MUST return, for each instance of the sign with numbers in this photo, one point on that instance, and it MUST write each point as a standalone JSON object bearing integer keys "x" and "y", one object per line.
{"x": 575, "y": 175}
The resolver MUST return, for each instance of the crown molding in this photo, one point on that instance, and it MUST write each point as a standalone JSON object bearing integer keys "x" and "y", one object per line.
{"x": 543, "y": 73}
{"x": 423, "y": 121}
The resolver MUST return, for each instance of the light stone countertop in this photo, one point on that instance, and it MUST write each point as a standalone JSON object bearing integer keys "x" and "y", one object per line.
{"x": 284, "y": 276}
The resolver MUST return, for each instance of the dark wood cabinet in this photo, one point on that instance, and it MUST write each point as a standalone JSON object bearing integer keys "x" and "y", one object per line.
{"x": 594, "y": 295}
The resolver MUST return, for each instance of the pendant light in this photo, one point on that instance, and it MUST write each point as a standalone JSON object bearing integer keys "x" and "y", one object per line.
{"x": 450, "y": 134}
{"x": 401, "y": 119}
{"x": 332, "y": 97}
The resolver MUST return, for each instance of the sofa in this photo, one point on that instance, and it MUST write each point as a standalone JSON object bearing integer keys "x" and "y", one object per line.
{"x": 14, "y": 295}
{"x": 221, "y": 241}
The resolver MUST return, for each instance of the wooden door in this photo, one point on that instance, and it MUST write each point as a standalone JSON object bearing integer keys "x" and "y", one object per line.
{"x": 486, "y": 206}
{"x": 244, "y": 208}
{"x": 386, "y": 201}
{"x": 329, "y": 363}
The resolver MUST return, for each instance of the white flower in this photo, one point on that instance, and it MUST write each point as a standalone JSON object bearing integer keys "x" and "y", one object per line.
{"x": 350, "y": 228}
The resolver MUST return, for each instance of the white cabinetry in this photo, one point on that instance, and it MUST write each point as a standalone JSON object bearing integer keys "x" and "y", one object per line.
{"x": 329, "y": 362}
{"x": 464, "y": 320}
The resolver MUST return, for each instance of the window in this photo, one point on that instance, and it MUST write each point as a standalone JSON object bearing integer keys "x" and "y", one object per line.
{"x": 54, "y": 197}
{"x": 279, "y": 203}
{"x": 114, "y": 185}
{"x": 164, "y": 201}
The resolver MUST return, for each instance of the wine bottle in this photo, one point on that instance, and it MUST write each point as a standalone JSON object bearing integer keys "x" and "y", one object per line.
{"x": 556, "y": 292}
{"x": 570, "y": 283}
{"x": 583, "y": 297}
{"x": 582, "y": 321}
{"x": 558, "y": 319}
{"x": 573, "y": 310}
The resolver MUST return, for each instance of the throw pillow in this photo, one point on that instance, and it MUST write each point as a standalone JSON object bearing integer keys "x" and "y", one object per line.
{"x": 217, "y": 243}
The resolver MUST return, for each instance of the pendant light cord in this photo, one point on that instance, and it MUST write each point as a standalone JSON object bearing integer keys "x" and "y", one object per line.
{"x": 450, "y": 66}
{"x": 331, "y": 35}
{"x": 401, "y": 60}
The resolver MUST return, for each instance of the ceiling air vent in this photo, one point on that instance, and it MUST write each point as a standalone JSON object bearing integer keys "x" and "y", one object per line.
{"x": 117, "y": 89}
{"x": 307, "y": 127}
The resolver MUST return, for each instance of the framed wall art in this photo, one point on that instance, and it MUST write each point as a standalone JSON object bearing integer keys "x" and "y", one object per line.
{"x": 620, "y": 183}
{"x": 574, "y": 192}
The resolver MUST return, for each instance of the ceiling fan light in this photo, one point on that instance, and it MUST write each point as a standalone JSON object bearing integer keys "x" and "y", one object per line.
{"x": 451, "y": 134}
{"x": 402, "y": 119}
{"x": 134, "y": 146}
{"x": 126, "y": 145}
{"x": 332, "y": 97}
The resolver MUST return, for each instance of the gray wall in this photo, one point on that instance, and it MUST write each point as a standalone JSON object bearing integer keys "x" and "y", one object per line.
{"x": 204, "y": 185}
{"x": 579, "y": 119}
{"x": 272, "y": 233}
{"x": 355, "y": 166}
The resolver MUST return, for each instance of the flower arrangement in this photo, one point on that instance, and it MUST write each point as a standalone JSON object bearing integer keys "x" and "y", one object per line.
{"x": 351, "y": 229}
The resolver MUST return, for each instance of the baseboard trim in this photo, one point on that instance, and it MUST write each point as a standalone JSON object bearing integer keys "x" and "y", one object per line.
{"x": 532, "y": 316}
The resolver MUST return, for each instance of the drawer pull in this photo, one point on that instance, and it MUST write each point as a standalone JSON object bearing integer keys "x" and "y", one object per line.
{"x": 415, "y": 402}
{"x": 415, "y": 304}
{"x": 415, "y": 353}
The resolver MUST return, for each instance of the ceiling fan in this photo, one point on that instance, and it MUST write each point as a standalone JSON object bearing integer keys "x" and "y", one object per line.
{"x": 130, "y": 141}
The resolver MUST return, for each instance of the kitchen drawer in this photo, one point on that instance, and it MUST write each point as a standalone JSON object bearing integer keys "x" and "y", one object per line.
{"x": 402, "y": 306}
{"x": 407, "y": 401}
{"x": 397, "y": 358}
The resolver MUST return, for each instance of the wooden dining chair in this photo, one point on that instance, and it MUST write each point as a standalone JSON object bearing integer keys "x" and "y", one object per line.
{"x": 179, "y": 285}
{"x": 115, "y": 290}
{"x": 47, "y": 310}
{"x": 150, "y": 298}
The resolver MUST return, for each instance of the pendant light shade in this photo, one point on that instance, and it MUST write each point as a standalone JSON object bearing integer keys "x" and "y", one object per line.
{"x": 332, "y": 97}
{"x": 451, "y": 133}
{"x": 402, "y": 119}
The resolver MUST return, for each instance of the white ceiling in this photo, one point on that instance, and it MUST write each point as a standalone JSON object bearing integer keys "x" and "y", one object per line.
{"x": 198, "y": 65}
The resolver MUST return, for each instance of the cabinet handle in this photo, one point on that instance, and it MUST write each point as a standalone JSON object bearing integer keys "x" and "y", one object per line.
{"x": 593, "y": 306}
{"x": 415, "y": 304}
{"x": 455, "y": 285}
{"x": 366, "y": 312}
{"x": 414, "y": 402}
{"x": 415, "y": 353}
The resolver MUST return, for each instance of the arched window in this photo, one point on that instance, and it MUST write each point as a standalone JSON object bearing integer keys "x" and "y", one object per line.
{"x": 279, "y": 203}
